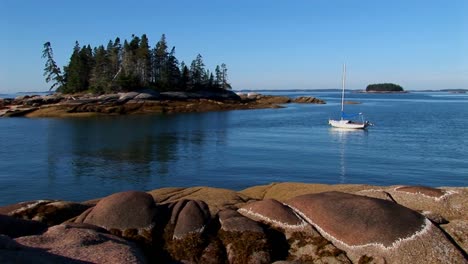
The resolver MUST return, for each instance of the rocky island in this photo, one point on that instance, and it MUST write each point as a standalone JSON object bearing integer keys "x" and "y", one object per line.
{"x": 145, "y": 101}
{"x": 276, "y": 223}
{"x": 384, "y": 88}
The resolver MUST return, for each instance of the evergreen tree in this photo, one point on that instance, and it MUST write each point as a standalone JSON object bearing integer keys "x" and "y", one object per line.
{"x": 185, "y": 81}
{"x": 224, "y": 84}
{"x": 72, "y": 71}
{"x": 130, "y": 66}
{"x": 172, "y": 69}
{"x": 114, "y": 51}
{"x": 143, "y": 61}
{"x": 160, "y": 58}
{"x": 87, "y": 64}
{"x": 51, "y": 71}
{"x": 219, "y": 77}
{"x": 101, "y": 74}
{"x": 129, "y": 79}
{"x": 211, "y": 82}
{"x": 197, "y": 72}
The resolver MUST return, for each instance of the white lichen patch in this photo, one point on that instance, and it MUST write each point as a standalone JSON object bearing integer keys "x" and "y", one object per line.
{"x": 196, "y": 231}
{"x": 425, "y": 228}
{"x": 437, "y": 199}
{"x": 371, "y": 190}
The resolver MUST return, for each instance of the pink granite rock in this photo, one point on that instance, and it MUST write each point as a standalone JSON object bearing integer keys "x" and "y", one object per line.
{"x": 272, "y": 212}
{"x": 188, "y": 217}
{"x": 67, "y": 244}
{"x": 376, "y": 230}
{"x": 123, "y": 210}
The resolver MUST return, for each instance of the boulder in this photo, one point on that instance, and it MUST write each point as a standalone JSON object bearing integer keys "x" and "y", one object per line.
{"x": 244, "y": 239}
{"x": 147, "y": 95}
{"x": 188, "y": 217}
{"x": 184, "y": 235}
{"x": 304, "y": 243}
{"x": 108, "y": 97}
{"x": 274, "y": 213}
{"x": 68, "y": 244}
{"x": 130, "y": 214}
{"x": 368, "y": 229}
{"x": 123, "y": 97}
{"x": 307, "y": 100}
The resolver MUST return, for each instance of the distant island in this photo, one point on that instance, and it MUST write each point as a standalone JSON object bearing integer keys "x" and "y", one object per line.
{"x": 384, "y": 88}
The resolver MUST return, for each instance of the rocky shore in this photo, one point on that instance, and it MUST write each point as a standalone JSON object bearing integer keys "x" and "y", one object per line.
{"x": 142, "y": 102}
{"x": 276, "y": 223}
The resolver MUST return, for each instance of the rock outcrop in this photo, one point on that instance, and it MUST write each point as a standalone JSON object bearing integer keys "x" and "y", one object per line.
{"x": 276, "y": 223}
{"x": 138, "y": 102}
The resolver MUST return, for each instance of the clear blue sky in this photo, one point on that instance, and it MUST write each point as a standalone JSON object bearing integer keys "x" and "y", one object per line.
{"x": 266, "y": 44}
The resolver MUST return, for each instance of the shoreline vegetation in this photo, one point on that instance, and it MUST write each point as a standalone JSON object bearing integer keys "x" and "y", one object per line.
{"x": 276, "y": 223}
{"x": 129, "y": 66}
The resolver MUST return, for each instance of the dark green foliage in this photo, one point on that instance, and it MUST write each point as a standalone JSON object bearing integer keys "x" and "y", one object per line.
{"x": 197, "y": 72}
{"x": 51, "y": 70}
{"x": 130, "y": 66}
{"x": 101, "y": 74}
{"x": 78, "y": 71}
{"x": 384, "y": 87}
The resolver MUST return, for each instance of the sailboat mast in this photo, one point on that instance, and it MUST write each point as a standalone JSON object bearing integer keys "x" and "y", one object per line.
{"x": 342, "y": 92}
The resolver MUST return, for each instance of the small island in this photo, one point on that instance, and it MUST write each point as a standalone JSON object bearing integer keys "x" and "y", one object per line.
{"x": 384, "y": 88}
{"x": 134, "y": 78}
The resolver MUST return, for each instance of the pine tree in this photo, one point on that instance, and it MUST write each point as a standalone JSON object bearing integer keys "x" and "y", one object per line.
{"x": 72, "y": 71}
{"x": 185, "y": 81}
{"x": 172, "y": 69}
{"x": 130, "y": 66}
{"x": 143, "y": 61}
{"x": 114, "y": 51}
{"x": 219, "y": 77}
{"x": 160, "y": 58}
{"x": 224, "y": 84}
{"x": 197, "y": 72}
{"x": 51, "y": 71}
{"x": 129, "y": 79}
{"x": 101, "y": 74}
{"x": 87, "y": 64}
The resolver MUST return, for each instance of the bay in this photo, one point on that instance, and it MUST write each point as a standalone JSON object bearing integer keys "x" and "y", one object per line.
{"x": 419, "y": 138}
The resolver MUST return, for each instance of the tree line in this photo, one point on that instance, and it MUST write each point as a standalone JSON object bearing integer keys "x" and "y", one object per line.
{"x": 130, "y": 65}
{"x": 384, "y": 87}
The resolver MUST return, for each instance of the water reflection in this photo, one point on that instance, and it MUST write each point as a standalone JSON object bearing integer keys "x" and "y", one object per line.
{"x": 140, "y": 149}
{"x": 345, "y": 138}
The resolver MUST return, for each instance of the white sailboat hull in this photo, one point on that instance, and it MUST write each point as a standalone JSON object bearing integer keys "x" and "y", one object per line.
{"x": 347, "y": 124}
{"x": 344, "y": 123}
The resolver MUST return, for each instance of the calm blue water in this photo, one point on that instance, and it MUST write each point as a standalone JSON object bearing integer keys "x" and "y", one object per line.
{"x": 418, "y": 138}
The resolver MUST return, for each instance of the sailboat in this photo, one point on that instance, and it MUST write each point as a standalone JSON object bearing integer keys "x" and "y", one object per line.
{"x": 345, "y": 121}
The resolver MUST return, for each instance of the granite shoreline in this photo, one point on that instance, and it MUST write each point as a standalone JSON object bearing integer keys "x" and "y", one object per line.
{"x": 276, "y": 223}
{"x": 140, "y": 102}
